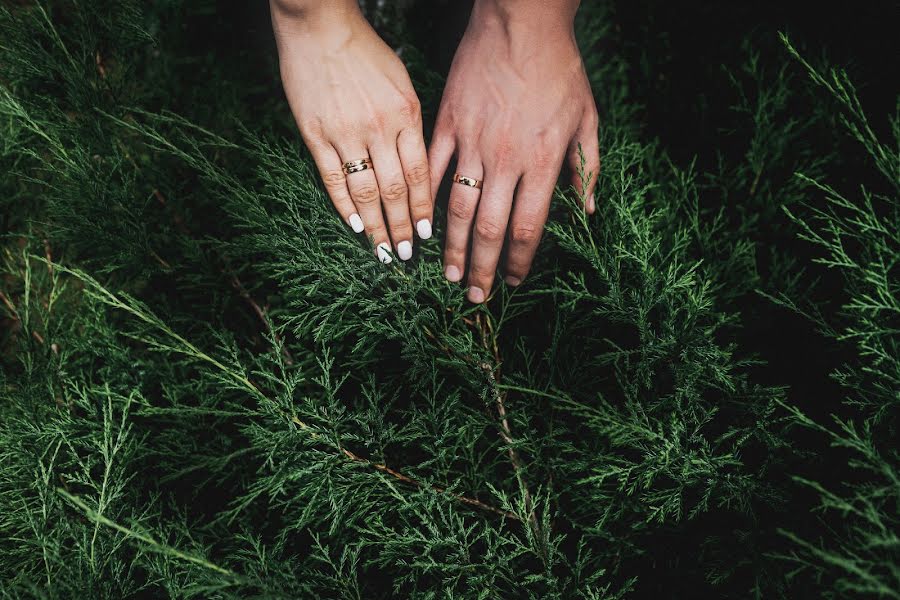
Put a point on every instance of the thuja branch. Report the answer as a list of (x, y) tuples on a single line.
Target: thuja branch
[(151, 543), (408, 480), (483, 324), (185, 347), (489, 340)]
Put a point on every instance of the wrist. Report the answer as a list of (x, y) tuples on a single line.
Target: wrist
[(318, 21), (526, 17)]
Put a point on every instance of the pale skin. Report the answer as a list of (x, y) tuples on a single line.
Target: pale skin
[(517, 107)]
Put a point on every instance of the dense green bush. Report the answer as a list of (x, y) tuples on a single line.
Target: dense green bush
[(211, 389)]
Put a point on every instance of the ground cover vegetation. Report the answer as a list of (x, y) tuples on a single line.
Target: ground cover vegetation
[(211, 389)]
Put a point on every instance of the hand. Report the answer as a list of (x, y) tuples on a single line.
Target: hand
[(516, 104), (352, 98)]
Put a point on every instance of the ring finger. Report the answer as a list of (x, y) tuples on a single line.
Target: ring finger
[(460, 213), (363, 188)]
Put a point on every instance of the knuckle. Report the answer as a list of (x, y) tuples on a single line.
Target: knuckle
[(377, 123), (527, 232), (310, 127), (518, 268), (378, 231), (400, 232), (394, 192), (366, 194), (343, 129), (504, 151), (420, 203), (461, 209), (543, 160), (333, 179), (418, 174), (410, 109), (481, 273), (489, 231)]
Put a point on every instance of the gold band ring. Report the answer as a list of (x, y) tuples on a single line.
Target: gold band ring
[(469, 181), (355, 166)]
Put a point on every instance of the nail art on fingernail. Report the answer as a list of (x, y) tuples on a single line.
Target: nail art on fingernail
[(404, 250), (424, 229), (356, 223), (384, 253)]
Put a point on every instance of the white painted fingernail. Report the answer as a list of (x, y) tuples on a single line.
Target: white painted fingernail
[(384, 253), (404, 250), (424, 229), (356, 223)]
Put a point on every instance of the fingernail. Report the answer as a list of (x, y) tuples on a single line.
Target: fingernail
[(404, 250), (513, 281), (591, 205), (384, 253), (452, 273), (424, 229), (476, 295), (356, 223)]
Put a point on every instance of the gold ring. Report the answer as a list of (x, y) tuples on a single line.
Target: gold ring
[(355, 166), (469, 181)]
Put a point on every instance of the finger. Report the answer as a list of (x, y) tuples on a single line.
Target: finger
[(440, 151), (586, 137), (363, 189), (526, 225), (413, 157), (394, 195), (460, 212), (329, 165), (489, 233)]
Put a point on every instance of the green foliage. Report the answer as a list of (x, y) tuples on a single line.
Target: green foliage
[(860, 238), (211, 389)]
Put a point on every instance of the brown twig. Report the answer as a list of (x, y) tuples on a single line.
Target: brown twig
[(101, 67), (260, 312), (9, 305), (489, 340), (410, 481), (485, 327), (49, 256)]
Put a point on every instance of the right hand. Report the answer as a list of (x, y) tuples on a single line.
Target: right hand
[(352, 98)]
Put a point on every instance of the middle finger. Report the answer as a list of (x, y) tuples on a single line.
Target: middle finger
[(394, 195), (490, 231)]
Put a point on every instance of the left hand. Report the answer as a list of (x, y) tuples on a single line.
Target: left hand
[(516, 105)]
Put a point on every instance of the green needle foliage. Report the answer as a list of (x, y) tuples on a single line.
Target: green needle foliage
[(211, 388)]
